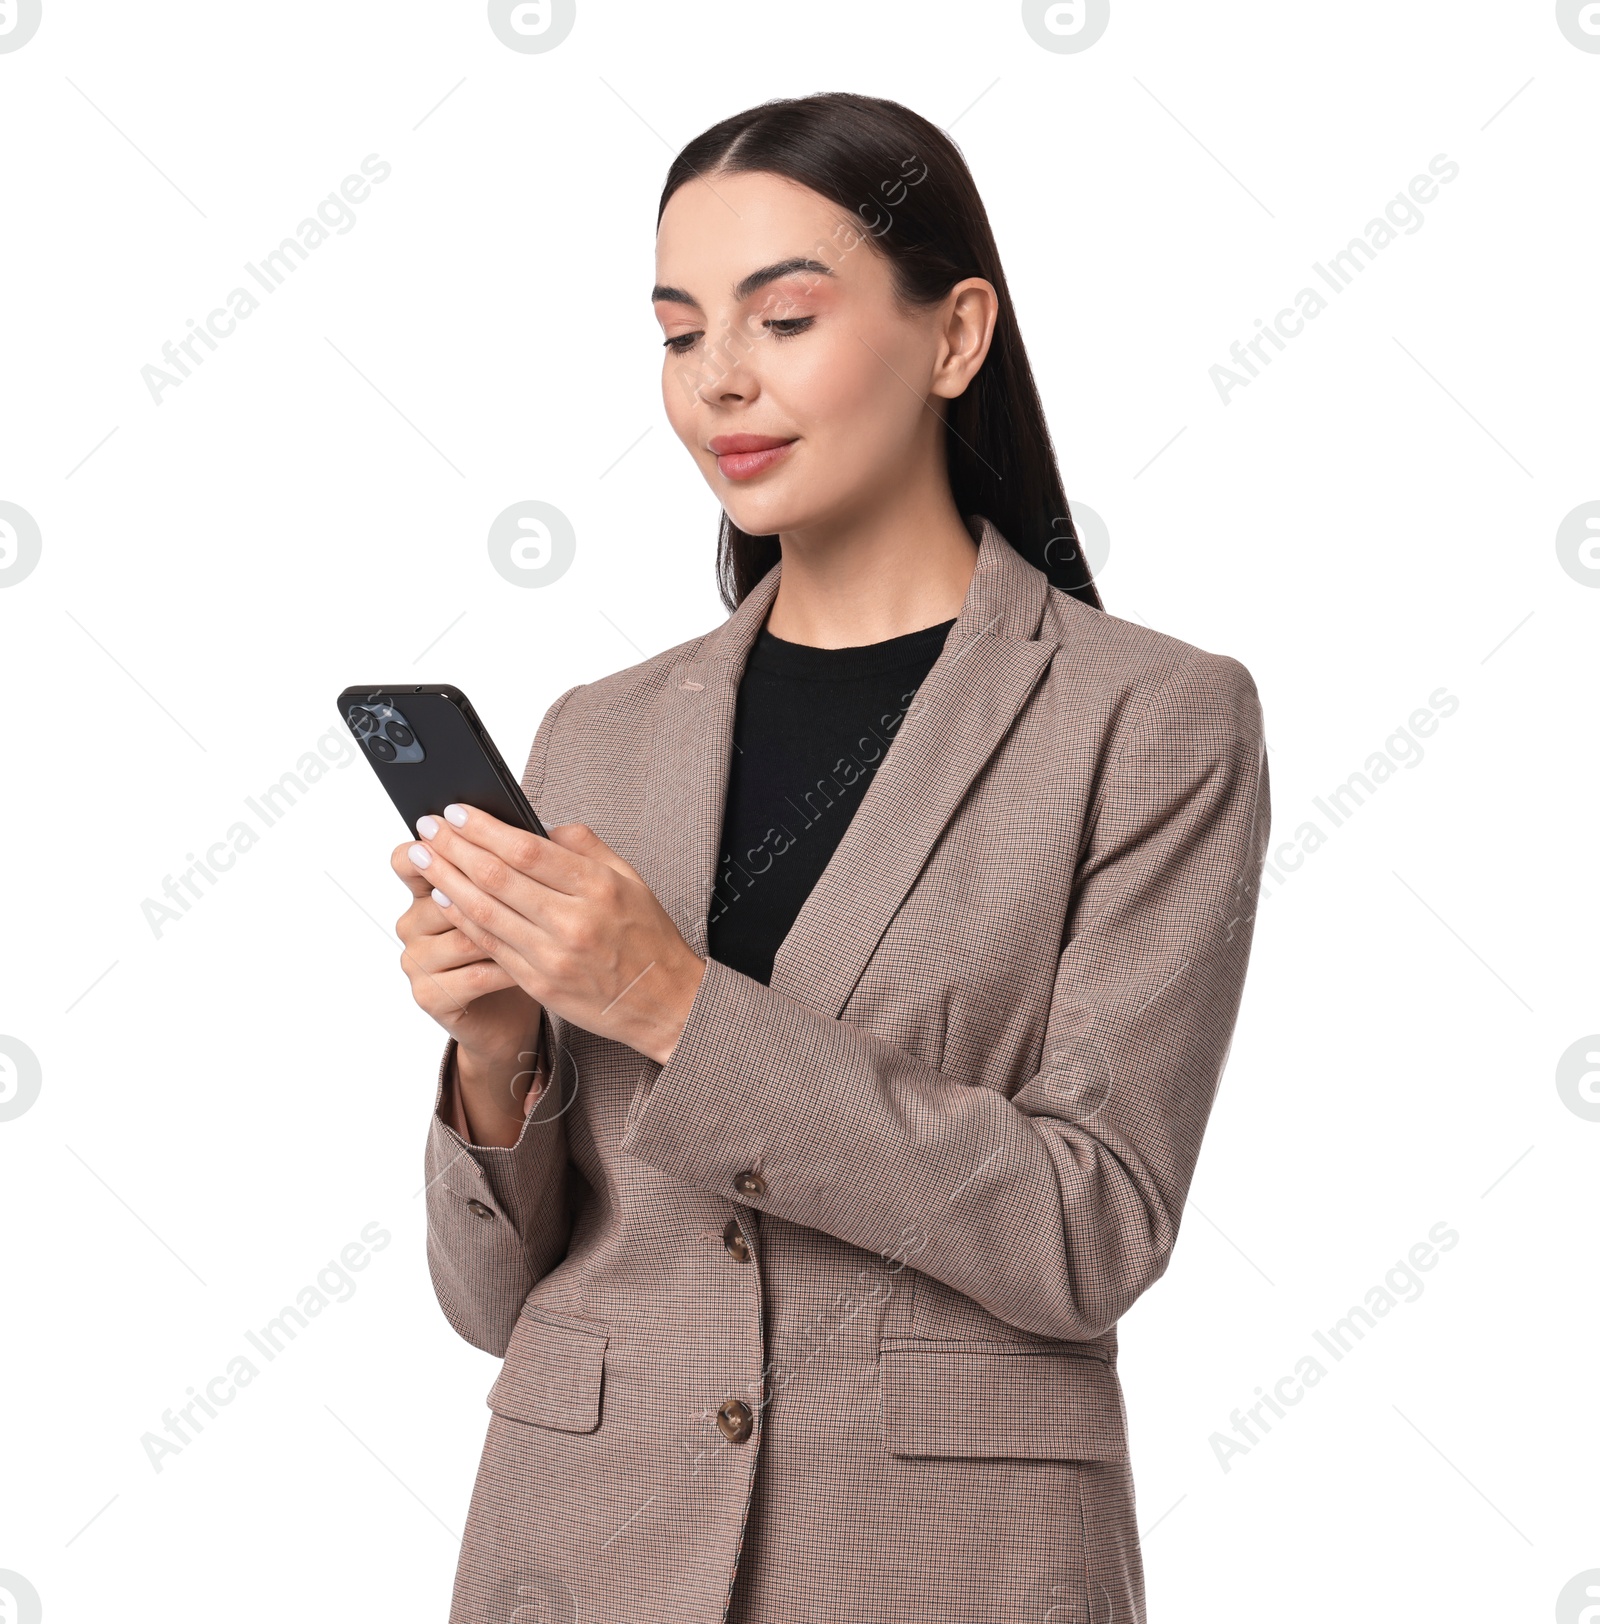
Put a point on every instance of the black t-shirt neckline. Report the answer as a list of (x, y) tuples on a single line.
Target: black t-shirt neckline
[(811, 729), (779, 657)]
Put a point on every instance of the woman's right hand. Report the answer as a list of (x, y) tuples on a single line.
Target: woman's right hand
[(494, 1022)]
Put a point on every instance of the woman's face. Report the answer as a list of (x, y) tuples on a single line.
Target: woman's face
[(802, 391)]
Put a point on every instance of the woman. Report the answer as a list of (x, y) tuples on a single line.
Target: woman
[(824, 1089)]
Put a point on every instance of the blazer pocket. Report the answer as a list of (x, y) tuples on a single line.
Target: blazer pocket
[(1041, 1405), (553, 1372)]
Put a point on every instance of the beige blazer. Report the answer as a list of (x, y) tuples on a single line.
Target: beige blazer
[(818, 1321)]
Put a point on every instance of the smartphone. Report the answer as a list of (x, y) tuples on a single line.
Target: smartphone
[(429, 749)]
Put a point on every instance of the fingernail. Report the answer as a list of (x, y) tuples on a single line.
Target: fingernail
[(456, 814), (440, 897), (427, 827), (420, 855)]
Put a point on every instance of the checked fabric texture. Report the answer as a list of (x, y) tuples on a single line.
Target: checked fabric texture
[(818, 1321)]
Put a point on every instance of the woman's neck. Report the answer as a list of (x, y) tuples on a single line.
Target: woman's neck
[(868, 580)]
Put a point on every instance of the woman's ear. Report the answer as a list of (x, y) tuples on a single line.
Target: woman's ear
[(966, 330)]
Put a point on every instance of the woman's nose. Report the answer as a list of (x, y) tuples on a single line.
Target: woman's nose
[(727, 369)]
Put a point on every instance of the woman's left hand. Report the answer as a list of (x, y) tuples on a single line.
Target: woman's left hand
[(569, 921)]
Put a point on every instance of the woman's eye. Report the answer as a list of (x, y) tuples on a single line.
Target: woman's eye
[(777, 327)]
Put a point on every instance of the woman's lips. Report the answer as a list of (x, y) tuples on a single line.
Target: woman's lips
[(743, 456)]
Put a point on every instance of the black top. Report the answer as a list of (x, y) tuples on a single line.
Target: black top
[(811, 728)]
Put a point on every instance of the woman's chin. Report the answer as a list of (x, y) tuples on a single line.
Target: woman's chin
[(764, 518)]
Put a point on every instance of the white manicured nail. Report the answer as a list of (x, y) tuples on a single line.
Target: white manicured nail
[(427, 827), (456, 814), (440, 897), (420, 855)]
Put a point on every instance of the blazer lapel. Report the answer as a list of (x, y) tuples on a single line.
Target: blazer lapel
[(686, 776), (990, 664)]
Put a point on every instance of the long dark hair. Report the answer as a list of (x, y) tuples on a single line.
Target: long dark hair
[(910, 188)]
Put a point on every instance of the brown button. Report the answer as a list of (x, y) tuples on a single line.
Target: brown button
[(735, 1420), (733, 1238), (750, 1183), (481, 1210)]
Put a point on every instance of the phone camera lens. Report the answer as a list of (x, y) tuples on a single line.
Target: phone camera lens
[(360, 721), (381, 748), (399, 734)]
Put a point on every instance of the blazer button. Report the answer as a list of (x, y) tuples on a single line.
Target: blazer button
[(735, 1420), (750, 1183), (481, 1210), (733, 1238)]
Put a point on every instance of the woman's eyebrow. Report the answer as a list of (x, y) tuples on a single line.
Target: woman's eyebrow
[(742, 290)]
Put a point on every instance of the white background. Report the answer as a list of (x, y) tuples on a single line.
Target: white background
[(225, 1106)]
